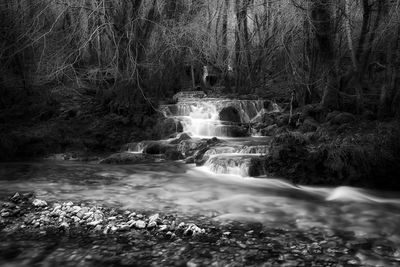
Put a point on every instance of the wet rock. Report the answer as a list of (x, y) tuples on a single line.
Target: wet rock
[(94, 223), (97, 228), (16, 197), (226, 234), (229, 114), (163, 228), (180, 137), (64, 225), (193, 230), (139, 224), (170, 235), (106, 229), (157, 147), (127, 158), (75, 210), (154, 218), (190, 147), (5, 214), (151, 225), (124, 227), (39, 203), (173, 154)]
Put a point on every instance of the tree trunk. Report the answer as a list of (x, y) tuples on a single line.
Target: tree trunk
[(322, 20)]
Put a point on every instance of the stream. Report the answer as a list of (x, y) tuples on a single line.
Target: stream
[(220, 193)]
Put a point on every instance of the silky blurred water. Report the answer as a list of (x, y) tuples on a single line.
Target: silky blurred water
[(173, 187)]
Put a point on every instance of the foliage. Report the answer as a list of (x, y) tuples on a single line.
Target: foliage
[(149, 44), (364, 158)]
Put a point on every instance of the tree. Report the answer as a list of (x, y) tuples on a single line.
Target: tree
[(322, 21)]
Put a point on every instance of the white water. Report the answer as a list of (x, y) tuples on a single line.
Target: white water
[(200, 117), (176, 187)]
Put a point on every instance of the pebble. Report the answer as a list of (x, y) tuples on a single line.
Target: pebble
[(191, 264), (95, 223), (64, 225), (39, 203), (68, 204), (151, 225), (154, 218), (313, 250), (163, 228), (193, 230), (124, 227), (16, 197), (106, 229), (226, 234), (181, 225), (140, 224), (5, 214), (170, 234)]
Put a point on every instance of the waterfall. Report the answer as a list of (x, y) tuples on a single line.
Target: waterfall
[(200, 117)]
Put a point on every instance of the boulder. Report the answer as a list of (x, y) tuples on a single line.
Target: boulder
[(157, 147), (230, 114), (188, 147), (180, 137), (173, 154)]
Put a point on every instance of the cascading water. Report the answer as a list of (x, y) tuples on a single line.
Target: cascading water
[(201, 117)]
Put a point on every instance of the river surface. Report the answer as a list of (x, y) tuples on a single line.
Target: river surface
[(173, 187)]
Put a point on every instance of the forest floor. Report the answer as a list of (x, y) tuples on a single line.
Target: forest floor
[(37, 233)]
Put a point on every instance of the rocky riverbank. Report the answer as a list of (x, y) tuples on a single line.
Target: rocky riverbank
[(36, 232)]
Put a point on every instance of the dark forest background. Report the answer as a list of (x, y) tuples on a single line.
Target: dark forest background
[(91, 72)]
